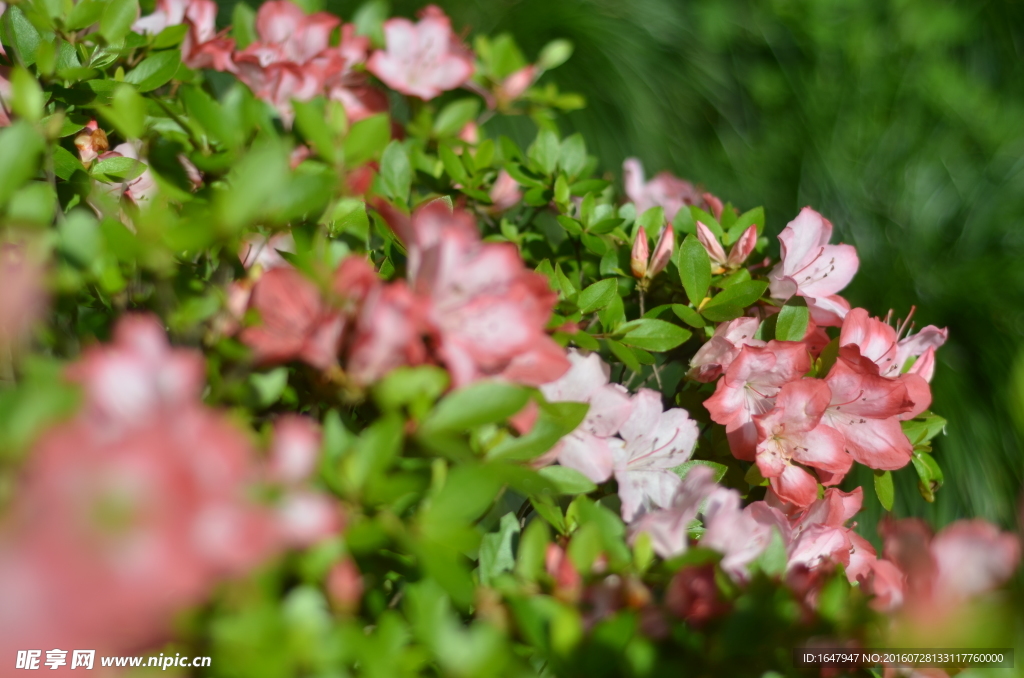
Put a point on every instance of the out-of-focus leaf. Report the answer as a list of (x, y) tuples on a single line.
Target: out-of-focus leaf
[(455, 115), (497, 551), (483, 402), (20, 148), (117, 19), (155, 70)]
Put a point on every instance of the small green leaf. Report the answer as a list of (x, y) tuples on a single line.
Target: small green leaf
[(27, 97), (20, 148), (688, 315), (567, 480), (366, 139), (118, 169), (654, 335), (483, 402), (171, 36), (453, 164), (496, 550), (269, 386), (598, 295), (740, 294), (721, 312), (454, 116), (117, 19), (745, 221), (884, 489), (719, 469), (694, 269), (624, 354), (573, 156), (20, 34), (395, 171), (792, 321), (554, 54), (84, 14), (155, 70), (544, 151), (243, 25)]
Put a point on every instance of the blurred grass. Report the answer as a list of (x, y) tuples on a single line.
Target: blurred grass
[(902, 121)]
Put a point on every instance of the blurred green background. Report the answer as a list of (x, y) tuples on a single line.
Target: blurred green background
[(902, 121)]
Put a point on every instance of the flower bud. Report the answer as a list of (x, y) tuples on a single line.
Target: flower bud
[(641, 251), (711, 244), (662, 251), (345, 586), (743, 247), (91, 143)]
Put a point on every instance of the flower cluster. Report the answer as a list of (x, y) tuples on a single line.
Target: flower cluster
[(468, 305), (787, 422)]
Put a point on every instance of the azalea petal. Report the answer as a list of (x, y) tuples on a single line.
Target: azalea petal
[(875, 339), (796, 486), (973, 557), (588, 454), (710, 243), (877, 443)]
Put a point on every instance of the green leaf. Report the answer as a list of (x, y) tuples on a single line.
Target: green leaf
[(155, 70), (533, 545), (573, 156), (20, 34), (496, 550), (554, 54), (688, 315), (544, 151), (654, 335), (773, 560), (745, 221), (127, 112), (118, 169), (694, 269), (719, 469), (396, 172), (311, 120), (930, 473), (269, 386), (624, 354), (27, 96), (118, 17), (827, 358), (722, 312), (568, 480), (20, 148), (65, 163), (547, 509), (452, 164), (367, 138), (243, 25), (407, 385), (84, 14), (571, 226), (554, 421), (484, 402), (923, 427), (741, 294), (172, 36), (597, 296), (884, 489), (454, 116), (652, 220), (792, 321)]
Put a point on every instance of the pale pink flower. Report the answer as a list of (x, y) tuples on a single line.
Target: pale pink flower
[(668, 528), (421, 59), (345, 585), (505, 192), (664, 190), (388, 334), (749, 387), (202, 47), (715, 356), (515, 85), (813, 269), (653, 442), (138, 375), (294, 450), (5, 93), (741, 535), (587, 448)]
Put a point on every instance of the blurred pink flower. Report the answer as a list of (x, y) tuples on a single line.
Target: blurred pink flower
[(668, 528), (421, 59), (664, 190), (117, 527), (202, 47), (388, 334), (138, 375), (294, 449), (295, 321), (813, 269), (5, 93), (486, 311), (505, 192)]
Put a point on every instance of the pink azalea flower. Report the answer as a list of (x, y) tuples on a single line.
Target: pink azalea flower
[(128, 512), (421, 59), (740, 534), (820, 536), (664, 190), (653, 442), (643, 269), (945, 571), (139, 375), (749, 387), (388, 334), (202, 46), (515, 85), (291, 34), (345, 586), (813, 269), (669, 527), (505, 192), (865, 409), (295, 448), (487, 311), (295, 322), (715, 356), (587, 449), (792, 432), (741, 249)]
